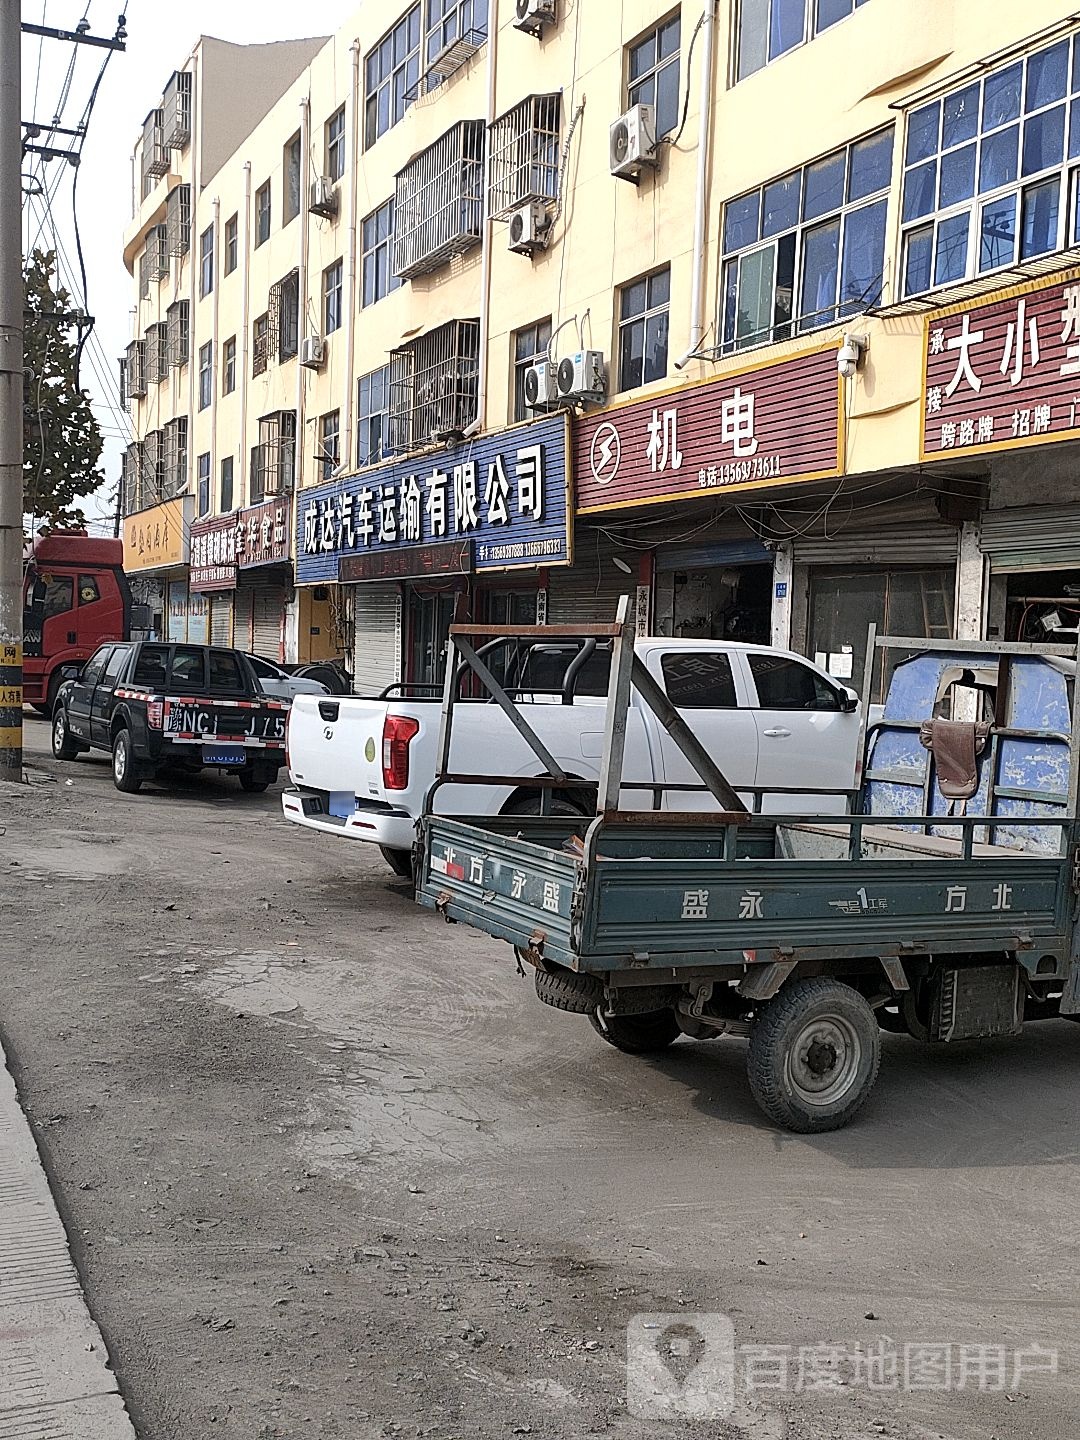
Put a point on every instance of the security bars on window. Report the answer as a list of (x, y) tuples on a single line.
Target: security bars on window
[(524, 155), (177, 110), (178, 220), (157, 247), (155, 155), (136, 369), (156, 352), (438, 201), (177, 320), (433, 385)]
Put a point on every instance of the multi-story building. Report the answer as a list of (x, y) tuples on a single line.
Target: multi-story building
[(762, 310)]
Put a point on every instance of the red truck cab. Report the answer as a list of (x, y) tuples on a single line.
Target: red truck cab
[(75, 597)]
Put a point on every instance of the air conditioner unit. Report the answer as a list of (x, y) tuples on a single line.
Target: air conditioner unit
[(533, 16), (324, 200), (542, 385), (581, 376), (632, 142), (312, 352), (529, 228)]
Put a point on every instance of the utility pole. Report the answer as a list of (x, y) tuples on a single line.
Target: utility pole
[(11, 392)]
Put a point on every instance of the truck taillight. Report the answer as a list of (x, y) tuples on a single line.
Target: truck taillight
[(153, 714), (398, 731)]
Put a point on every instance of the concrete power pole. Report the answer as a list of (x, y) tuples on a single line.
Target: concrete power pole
[(11, 392)]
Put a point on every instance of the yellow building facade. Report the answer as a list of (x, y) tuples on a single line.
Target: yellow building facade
[(779, 293)]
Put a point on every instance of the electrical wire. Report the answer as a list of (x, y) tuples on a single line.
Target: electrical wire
[(673, 141)]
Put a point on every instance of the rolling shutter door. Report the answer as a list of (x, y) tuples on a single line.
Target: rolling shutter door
[(242, 619), (591, 588), (1045, 537), (267, 611), (221, 619), (377, 653), (913, 542)]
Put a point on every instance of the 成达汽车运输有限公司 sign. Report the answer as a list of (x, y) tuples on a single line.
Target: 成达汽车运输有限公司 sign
[(506, 492)]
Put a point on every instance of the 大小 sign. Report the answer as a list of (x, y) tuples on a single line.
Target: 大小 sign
[(506, 493), (157, 538), (772, 425), (1003, 372)]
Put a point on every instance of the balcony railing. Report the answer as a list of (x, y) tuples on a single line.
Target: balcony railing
[(433, 385), (438, 201)]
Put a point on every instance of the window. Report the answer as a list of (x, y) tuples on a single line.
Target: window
[(157, 353), (188, 667), (59, 595), (643, 330), (260, 343), (203, 464), (530, 346), (263, 669), (231, 233), (391, 81), (206, 374), (206, 262), (178, 220), (290, 180), (785, 684), (273, 459), (150, 666), (115, 665), (262, 214), (809, 248), (284, 316), (228, 366), (455, 20), (439, 201), (331, 289), (433, 385), (330, 443), (88, 590), (176, 456), (225, 672), (525, 151), (94, 668), (652, 73), (768, 29), (990, 171), (225, 493), (335, 144), (372, 416), (696, 681), (377, 236), (178, 325)]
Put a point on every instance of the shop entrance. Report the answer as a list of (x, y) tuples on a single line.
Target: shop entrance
[(1043, 605), (428, 618), (713, 596)]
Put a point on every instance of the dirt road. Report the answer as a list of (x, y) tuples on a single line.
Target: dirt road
[(331, 1170)]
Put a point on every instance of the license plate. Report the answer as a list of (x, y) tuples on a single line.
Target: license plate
[(224, 755)]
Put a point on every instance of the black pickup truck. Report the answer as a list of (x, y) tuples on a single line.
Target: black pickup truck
[(160, 707)]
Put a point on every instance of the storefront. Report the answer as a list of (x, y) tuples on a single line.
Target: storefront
[(156, 552), (240, 586), (1002, 391), (672, 486), (485, 525)]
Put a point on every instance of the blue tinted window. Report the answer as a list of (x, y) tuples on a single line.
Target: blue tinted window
[(1047, 76), (920, 185), (924, 128), (917, 260), (820, 264), (1038, 230), (957, 177), (861, 277), (1044, 140), (1001, 96), (960, 120), (780, 205), (871, 166), (951, 260), (997, 233), (998, 166), (824, 189), (741, 219)]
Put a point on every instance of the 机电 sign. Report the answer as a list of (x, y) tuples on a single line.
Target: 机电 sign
[(1003, 372), (771, 425), (504, 493)]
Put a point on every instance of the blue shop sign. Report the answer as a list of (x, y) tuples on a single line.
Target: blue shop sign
[(508, 493)]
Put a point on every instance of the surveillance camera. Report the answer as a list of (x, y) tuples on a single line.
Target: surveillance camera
[(850, 354)]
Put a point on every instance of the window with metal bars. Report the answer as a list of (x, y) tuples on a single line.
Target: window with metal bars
[(136, 369), (131, 479), (438, 201), (178, 323), (176, 456), (155, 467), (156, 351), (523, 146), (155, 155), (177, 110), (330, 443), (178, 220), (433, 385), (260, 344), (144, 274), (125, 394), (283, 317), (157, 247), (273, 459), (454, 31)]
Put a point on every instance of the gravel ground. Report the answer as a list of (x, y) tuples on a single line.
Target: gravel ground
[(329, 1169)]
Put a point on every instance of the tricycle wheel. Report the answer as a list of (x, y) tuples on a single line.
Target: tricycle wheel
[(567, 990), (814, 1055), (637, 1034)]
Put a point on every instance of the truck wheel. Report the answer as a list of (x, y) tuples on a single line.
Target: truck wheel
[(637, 1034), (559, 806), (254, 782), (567, 990), (400, 861), (814, 1055), (63, 746), (125, 776)]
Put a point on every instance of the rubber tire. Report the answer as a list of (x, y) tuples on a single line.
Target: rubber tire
[(774, 1033), (569, 991), (252, 784), (130, 781), (559, 806), (68, 748), (400, 861), (646, 1034)]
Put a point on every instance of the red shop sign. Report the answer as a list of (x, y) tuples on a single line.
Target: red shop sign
[(1004, 372), (212, 554), (758, 427)]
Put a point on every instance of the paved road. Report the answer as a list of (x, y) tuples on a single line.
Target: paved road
[(333, 1171)]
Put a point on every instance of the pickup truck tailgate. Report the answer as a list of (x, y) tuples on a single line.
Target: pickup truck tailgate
[(336, 746)]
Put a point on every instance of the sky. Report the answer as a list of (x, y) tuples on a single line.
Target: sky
[(159, 39)]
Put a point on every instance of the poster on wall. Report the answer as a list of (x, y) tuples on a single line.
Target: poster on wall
[(176, 620)]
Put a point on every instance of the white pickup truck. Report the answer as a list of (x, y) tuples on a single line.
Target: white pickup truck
[(361, 768)]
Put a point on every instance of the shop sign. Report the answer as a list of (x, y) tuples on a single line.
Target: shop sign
[(506, 493), (156, 539), (768, 425), (407, 562), (265, 534), (213, 553), (1004, 372)]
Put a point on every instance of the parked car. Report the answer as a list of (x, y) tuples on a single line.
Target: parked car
[(275, 681), (159, 707), (361, 768)]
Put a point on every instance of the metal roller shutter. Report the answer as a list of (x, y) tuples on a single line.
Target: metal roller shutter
[(1045, 537), (267, 616), (591, 587), (221, 619), (913, 542), (377, 653), (242, 619)]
